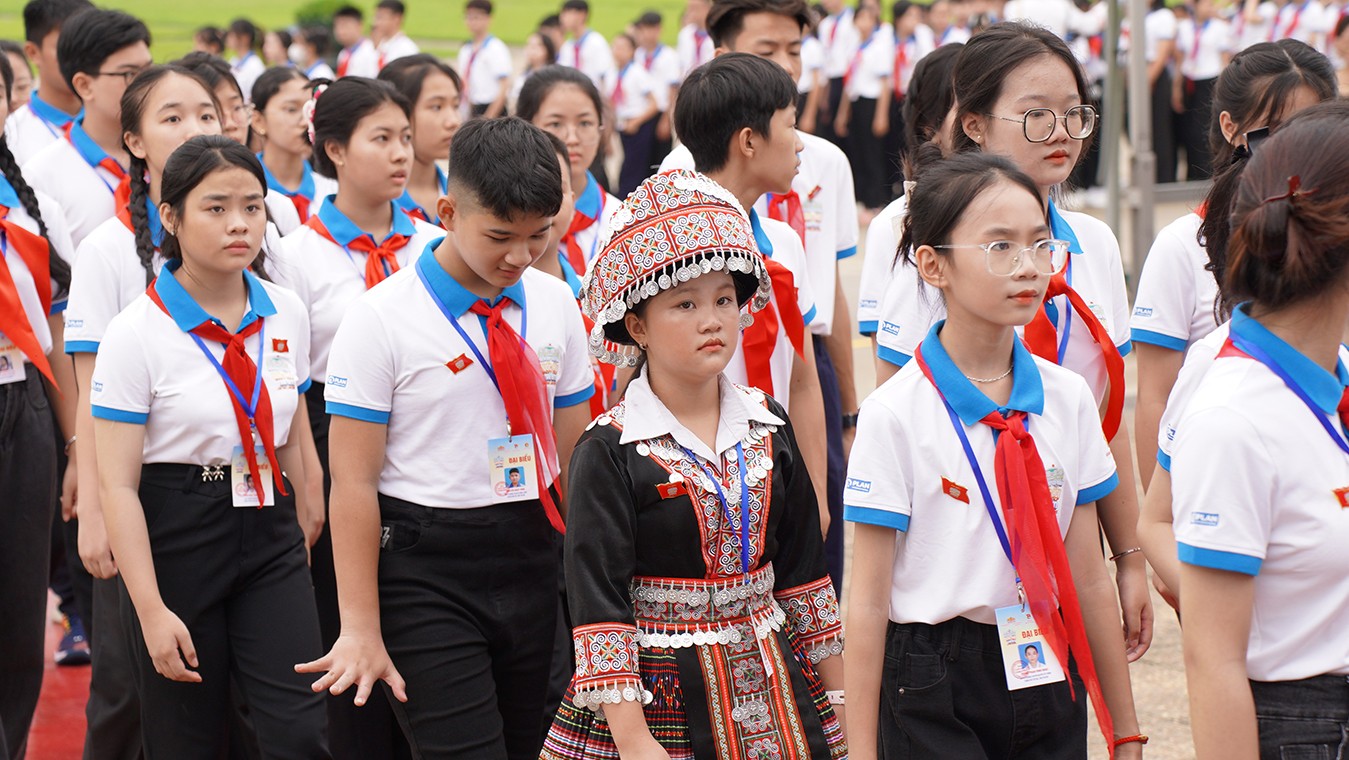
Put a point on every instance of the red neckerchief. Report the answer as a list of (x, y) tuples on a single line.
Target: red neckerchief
[(381, 260), (36, 255)]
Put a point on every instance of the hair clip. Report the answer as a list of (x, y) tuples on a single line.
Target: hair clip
[(1294, 191), (307, 111), (909, 187), (1241, 153)]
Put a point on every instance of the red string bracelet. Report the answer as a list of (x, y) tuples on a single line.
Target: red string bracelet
[(1140, 738)]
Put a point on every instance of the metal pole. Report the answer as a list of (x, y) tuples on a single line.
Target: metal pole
[(1141, 200), (1113, 132)]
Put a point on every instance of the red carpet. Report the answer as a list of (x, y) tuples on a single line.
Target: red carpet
[(58, 727)]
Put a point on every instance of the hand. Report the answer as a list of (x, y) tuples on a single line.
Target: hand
[(807, 122), (360, 660), (1130, 751), (648, 749), (95, 552), (1177, 100), (165, 638), (1136, 605), (663, 127), (1171, 599), (313, 521), (880, 126), (70, 489), (841, 126), (631, 127), (824, 519)]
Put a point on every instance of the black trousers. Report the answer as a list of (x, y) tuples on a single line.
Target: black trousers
[(468, 608), (833, 433), (369, 732), (113, 712), (478, 109), (636, 157), (824, 125), (896, 144), (1194, 124), (943, 694), (238, 580), (866, 153), (1303, 719), (28, 480), (1164, 129)]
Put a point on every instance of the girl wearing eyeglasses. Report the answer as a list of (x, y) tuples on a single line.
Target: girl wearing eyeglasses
[(1022, 95), (973, 486)]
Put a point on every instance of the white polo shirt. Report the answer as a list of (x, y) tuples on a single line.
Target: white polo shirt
[(314, 187), (107, 276), (1202, 47), (599, 205), (695, 48), (1301, 21), (879, 264), (246, 71), (778, 241), (59, 244), (68, 171), (914, 48), (1176, 294), (812, 63), (320, 70), (359, 60), (1198, 359), (869, 70), (630, 101), (1158, 26), (328, 277), (839, 35), (1256, 486), (397, 46), (151, 372), (949, 562), (33, 127), (1094, 270), (590, 54), (662, 65), (1249, 33), (389, 366), (824, 184), (483, 66)]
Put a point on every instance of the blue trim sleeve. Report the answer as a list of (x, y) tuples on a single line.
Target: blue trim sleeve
[(1164, 460), (119, 415), (82, 347), (57, 307), (1096, 492), (897, 358), (572, 399), (1157, 339), (868, 327), (358, 413), (1125, 348), (809, 317), (306, 385), (881, 517), (1218, 560), (847, 253)]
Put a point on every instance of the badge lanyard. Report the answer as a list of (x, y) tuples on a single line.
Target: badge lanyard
[(1256, 353), (725, 506), (250, 409), (360, 273), (1066, 313)]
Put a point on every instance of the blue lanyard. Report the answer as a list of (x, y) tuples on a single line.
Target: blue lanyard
[(1256, 353), (454, 322), (250, 409), (725, 506), (1066, 313)]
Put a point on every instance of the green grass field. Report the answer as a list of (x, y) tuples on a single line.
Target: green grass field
[(436, 24)]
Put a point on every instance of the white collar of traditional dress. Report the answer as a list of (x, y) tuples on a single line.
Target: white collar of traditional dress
[(646, 417)]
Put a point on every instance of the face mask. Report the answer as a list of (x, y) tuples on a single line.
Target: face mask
[(296, 53)]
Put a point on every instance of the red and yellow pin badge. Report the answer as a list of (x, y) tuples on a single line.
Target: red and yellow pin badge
[(280, 346), (955, 490), (459, 363)]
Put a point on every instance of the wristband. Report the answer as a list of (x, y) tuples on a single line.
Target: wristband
[(70, 443), (1140, 738), (850, 421), (834, 697), (1126, 553)]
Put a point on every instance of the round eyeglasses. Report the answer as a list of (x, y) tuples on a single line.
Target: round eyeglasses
[(1038, 123), (1004, 257)]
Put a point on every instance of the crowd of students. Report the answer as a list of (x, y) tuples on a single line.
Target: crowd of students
[(374, 426)]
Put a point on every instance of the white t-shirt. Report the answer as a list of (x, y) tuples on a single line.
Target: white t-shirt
[(591, 55), (911, 307), (879, 264), (1302, 21), (812, 63), (1058, 16), (397, 46), (824, 185), (1202, 47), (949, 562), (662, 65), (913, 49), (1198, 360), (840, 38), (59, 244), (591, 201), (1158, 26), (359, 60), (68, 171), (483, 66), (1249, 33), (1174, 304), (630, 102), (246, 71), (151, 372), (389, 366), (695, 48), (869, 71), (33, 127), (320, 70), (1258, 488), (328, 278)]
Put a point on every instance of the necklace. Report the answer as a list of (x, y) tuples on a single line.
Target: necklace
[(990, 379)]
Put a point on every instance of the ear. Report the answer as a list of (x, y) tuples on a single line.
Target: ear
[(973, 125), (720, 50), (1229, 129), (931, 266), (31, 50), (337, 152), (83, 85), (742, 143), (170, 218), (134, 143), (636, 327), (447, 208), (258, 121)]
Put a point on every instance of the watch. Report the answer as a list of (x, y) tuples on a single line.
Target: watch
[(850, 421)]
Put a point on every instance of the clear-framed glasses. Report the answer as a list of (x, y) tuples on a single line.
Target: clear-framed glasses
[(126, 75), (1004, 257), (1038, 123)]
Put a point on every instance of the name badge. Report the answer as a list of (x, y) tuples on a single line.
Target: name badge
[(245, 492), (1026, 657), (281, 368), (510, 462), (11, 362)]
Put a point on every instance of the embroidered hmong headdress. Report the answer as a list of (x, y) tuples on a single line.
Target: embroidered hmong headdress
[(674, 227)]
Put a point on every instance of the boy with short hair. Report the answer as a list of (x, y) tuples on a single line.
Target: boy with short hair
[(484, 63), (585, 48), (100, 53), (358, 56), (241, 39), (53, 105), (821, 208), (694, 43), (387, 30), (736, 115), (447, 576)]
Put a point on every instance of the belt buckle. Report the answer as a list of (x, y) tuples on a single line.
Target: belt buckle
[(212, 473)]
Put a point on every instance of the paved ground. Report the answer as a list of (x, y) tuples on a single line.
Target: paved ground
[(1159, 678)]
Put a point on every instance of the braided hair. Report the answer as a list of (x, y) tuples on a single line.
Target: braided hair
[(133, 106), (9, 167)]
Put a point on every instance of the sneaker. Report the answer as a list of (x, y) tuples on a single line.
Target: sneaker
[(74, 647)]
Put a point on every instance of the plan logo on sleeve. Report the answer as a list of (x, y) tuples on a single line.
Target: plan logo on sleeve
[(858, 485), (1205, 519)]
